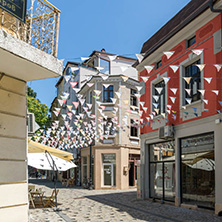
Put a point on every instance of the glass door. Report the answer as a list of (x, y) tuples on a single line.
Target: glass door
[(108, 174)]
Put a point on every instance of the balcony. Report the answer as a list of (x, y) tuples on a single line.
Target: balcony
[(41, 29)]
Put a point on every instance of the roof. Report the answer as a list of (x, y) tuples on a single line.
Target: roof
[(70, 63), (186, 15)]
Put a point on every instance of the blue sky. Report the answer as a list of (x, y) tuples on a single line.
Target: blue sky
[(119, 26)]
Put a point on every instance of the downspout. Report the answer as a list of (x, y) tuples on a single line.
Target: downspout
[(216, 11)]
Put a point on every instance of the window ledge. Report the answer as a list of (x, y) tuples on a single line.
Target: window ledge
[(192, 104), (134, 138), (107, 104), (110, 136)]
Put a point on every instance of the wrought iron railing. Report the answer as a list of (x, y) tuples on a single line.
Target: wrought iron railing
[(41, 29)]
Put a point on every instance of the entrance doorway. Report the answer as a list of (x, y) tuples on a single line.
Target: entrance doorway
[(108, 174), (131, 174)]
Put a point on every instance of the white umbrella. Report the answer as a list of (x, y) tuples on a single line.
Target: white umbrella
[(43, 161), (204, 164)]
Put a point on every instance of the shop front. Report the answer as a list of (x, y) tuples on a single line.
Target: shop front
[(198, 170)]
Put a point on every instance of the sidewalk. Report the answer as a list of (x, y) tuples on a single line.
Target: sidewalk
[(80, 205)]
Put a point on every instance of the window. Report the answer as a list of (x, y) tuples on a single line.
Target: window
[(195, 82), (191, 41), (90, 97), (158, 64), (133, 129), (159, 97), (84, 166), (107, 94), (108, 127), (133, 99), (106, 65)]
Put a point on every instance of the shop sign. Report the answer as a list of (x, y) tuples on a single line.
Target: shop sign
[(16, 8), (109, 158)]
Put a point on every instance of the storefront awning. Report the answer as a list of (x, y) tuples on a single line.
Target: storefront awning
[(34, 147)]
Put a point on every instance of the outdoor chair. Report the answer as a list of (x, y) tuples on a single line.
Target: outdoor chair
[(31, 200), (50, 201), (31, 187)]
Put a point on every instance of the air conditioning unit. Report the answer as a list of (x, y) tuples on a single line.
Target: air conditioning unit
[(31, 123), (166, 132)]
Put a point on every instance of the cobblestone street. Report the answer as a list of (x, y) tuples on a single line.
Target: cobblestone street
[(82, 205)]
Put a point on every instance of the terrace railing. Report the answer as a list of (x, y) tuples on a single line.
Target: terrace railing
[(41, 29)]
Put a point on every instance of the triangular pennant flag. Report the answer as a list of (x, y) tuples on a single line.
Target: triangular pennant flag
[(188, 100), (73, 69), (113, 57), (69, 107), (76, 90), (84, 58), (208, 79), (89, 105), (188, 91), (125, 78), (149, 68), (205, 101), (67, 78), (76, 104), (90, 84), (156, 105), (145, 78), (174, 68), (218, 67), (157, 111), (106, 85), (139, 57), (168, 54), (113, 100), (174, 90), (159, 89), (166, 79), (73, 84), (169, 107), (99, 68), (194, 109), (118, 94), (104, 77), (220, 102), (97, 92), (60, 102), (156, 98), (187, 79), (142, 103), (64, 116), (56, 113), (139, 88), (173, 99), (200, 66), (197, 51), (215, 91), (70, 115), (202, 91)]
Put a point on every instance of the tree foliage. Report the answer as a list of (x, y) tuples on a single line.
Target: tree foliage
[(40, 110)]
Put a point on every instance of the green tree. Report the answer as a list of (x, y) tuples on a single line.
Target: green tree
[(40, 110)]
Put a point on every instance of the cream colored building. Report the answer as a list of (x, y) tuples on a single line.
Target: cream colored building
[(114, 157), (19, 62)]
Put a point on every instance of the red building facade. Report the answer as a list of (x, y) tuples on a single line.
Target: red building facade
[(182, 103)]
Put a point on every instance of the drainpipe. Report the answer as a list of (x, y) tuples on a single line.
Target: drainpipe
[(217, 11)]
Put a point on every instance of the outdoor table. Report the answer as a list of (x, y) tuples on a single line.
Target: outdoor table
[(39, 195)]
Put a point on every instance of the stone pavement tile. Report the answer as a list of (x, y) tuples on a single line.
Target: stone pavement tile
[(82, 205)]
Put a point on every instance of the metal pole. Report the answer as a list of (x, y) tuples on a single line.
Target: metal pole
[(90, 167)]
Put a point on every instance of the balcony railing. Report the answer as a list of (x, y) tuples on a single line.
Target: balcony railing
[(41, 29)]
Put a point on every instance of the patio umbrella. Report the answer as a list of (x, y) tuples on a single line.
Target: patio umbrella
[(204, 164), (42, 161)]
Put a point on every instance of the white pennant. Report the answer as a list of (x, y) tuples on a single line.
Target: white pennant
[(168, 54), (156, 105), (149, 68), (174, 68), (166, 79), (174, 90), (113, 100), (205, 101), (197, 51), (202, 91), (159, 89), (84, 58), (145, 78), (124, 68), (218, 67), (106, 85), (73, 69), (215, 91), (111, 58), (188, 91), (156, 98), (118, 94), (188, 100), (173, 99), (208, 79), (139, 57), (139, 88), (200, 66)]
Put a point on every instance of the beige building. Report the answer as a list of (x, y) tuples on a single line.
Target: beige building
[(19, 62), (117, 147)]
